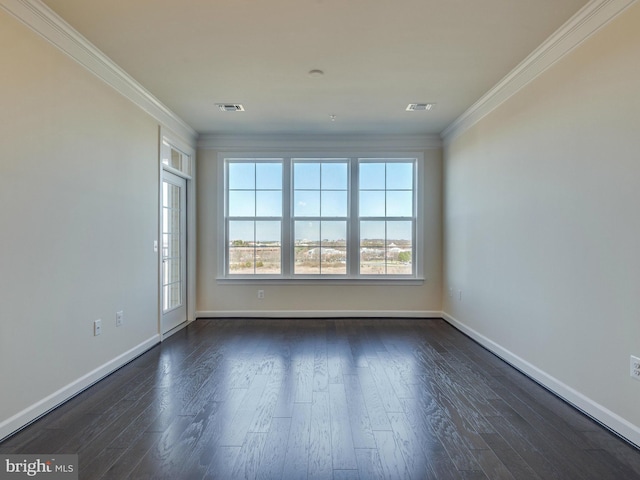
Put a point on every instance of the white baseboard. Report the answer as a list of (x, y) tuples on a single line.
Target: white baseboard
[(593, 409), (31, 413), (176, 329), (318, 314)]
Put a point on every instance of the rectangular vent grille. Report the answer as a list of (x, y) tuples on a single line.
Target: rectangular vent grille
[(230, 107), (419, 107)]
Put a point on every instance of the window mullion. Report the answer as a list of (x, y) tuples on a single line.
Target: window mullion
[(353, 222), (287, 221)]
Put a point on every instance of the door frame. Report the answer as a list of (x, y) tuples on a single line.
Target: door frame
[(167, 137), (175, 315)]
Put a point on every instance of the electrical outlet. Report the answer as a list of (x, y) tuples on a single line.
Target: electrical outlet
[(451, 293), (634, 370), (260, 294), (97, 327), (119, 318)]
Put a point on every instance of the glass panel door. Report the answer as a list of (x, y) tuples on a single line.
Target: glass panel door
[(174, 310)]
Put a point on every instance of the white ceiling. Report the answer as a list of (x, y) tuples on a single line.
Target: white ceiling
[(377, 55)]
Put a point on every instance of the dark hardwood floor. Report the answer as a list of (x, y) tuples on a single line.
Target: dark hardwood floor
[(322, 399)]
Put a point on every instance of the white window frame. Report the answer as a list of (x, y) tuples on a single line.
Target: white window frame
[(287, 276)]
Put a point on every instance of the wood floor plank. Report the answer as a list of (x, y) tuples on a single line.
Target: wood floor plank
[(296, 462), (477, 387), (320, 466), (625, 454), (211, 389), (165, 455), (401, 357), (396, 380), (303, 367), (94, 467), (550, 414), (96, 400), (605, 466), (158, 406), (243, 362), (249, 458), (453, 436), (474, 380), (263, 413), (272, 461), (369, 464), (491, 465), (370, 331), (90, 449), (198, 461), (271, 360), (243, 418), (431, 447), (222, 462), (417, 463), (190, 438), (342, 451), (373, 401), (346, 475), (361, 431), (126, 463), (44, 440), (320, 363), (347, 362), (453, 403), (391, 459), (357, 351), (522, 437), (509, 457), (334, 365), (287, 392), (579, 460)]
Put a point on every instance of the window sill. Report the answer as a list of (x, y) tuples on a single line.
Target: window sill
[(320, 281)]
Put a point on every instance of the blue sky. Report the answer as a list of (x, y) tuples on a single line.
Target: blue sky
[(320, 190)]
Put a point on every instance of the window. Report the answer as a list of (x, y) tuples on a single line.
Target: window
[(386, 219), (320, 215), (323, 218), (254, 217), (174, 159)]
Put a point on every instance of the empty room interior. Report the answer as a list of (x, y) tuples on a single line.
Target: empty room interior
[(321, 238)]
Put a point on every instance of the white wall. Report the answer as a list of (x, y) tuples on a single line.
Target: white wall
[(542, 230), (216, 299), (79, 197)]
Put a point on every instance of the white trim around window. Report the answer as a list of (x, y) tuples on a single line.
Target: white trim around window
[(292, 218)]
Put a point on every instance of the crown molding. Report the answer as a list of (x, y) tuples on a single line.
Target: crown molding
[(575, 31), (318, 143), (46, 23)]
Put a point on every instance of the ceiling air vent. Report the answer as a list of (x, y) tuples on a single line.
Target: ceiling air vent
[(230, 107), (418, 107)]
